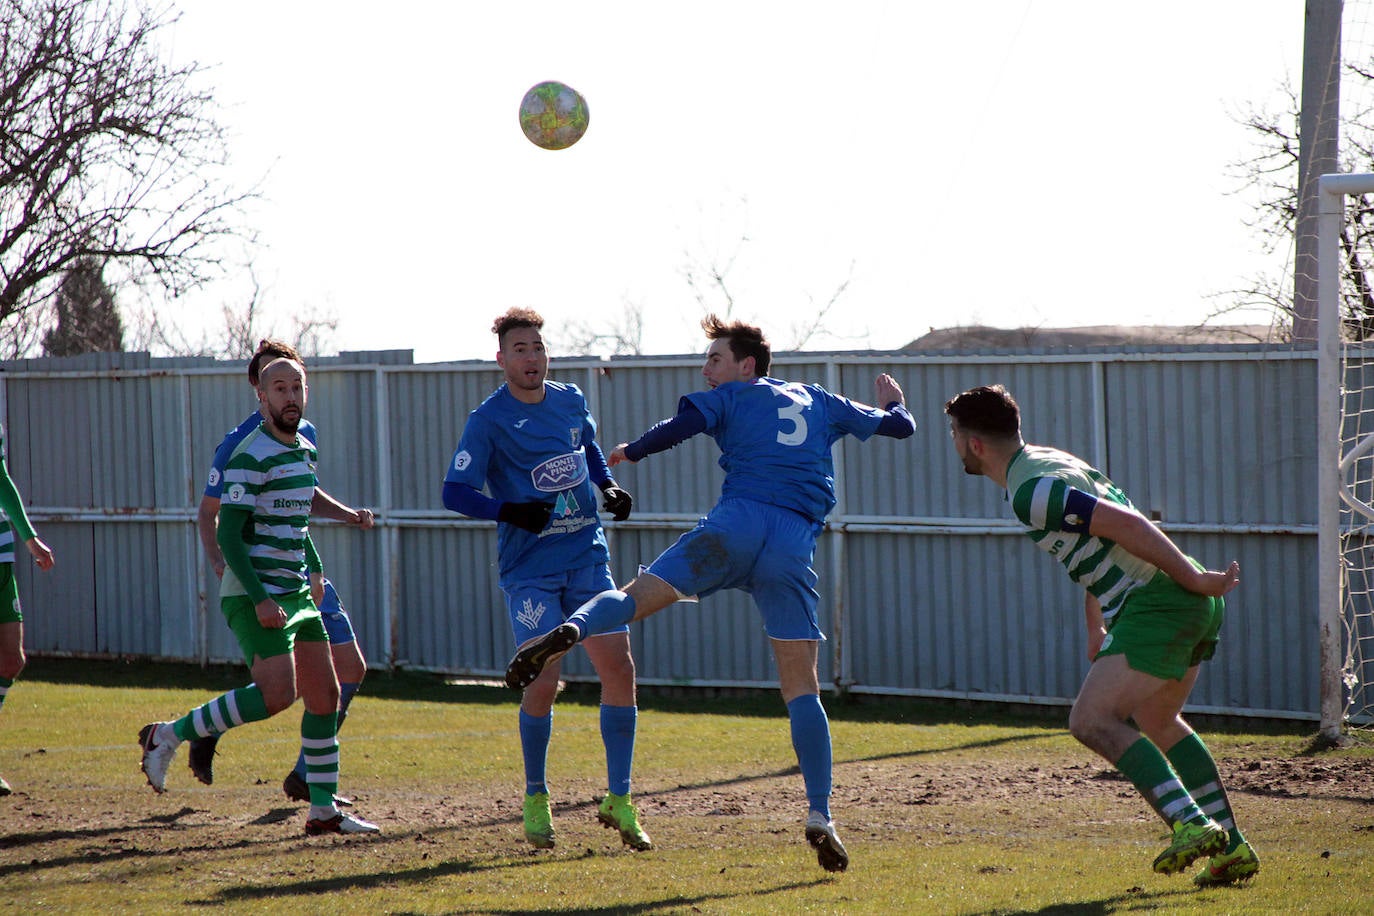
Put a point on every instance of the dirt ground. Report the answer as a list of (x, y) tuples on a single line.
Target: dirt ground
[(48, 823)]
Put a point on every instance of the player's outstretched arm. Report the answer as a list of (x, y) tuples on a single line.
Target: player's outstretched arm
[(326, 506), (1139, 535)]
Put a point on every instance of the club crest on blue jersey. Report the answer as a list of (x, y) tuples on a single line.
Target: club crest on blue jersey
[(575, 437), (559, 473)]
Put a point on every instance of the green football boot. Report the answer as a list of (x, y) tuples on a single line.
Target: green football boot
[(538, 821), (1191, 841), (1239, 864), (619, 812)]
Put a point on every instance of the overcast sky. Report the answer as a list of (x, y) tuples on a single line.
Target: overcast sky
[(1006, 162)]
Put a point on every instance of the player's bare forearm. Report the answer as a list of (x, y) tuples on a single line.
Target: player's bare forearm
[(207, 524), (326, 506), (1136, 533), (1097, 630)]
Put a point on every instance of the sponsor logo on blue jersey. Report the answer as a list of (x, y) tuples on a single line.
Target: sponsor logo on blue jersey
[(560, 473)]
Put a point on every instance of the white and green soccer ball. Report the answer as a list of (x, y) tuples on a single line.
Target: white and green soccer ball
[(553, 115)]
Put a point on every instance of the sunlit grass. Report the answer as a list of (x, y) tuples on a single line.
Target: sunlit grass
[(945, 809)]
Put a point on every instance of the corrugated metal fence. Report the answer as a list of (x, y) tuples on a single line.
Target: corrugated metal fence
[(928, 588)]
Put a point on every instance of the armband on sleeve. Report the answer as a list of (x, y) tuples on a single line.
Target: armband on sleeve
[(1078, 511)]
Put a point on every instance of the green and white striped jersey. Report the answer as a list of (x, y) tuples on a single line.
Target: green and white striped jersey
[(276, 481), (1038, 483), (12, 515)]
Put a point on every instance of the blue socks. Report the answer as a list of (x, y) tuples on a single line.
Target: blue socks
[(811, 741), (618, 734), (606, 611), (534, 744)]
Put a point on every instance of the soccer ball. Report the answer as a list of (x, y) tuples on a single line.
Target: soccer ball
[(553, 116)]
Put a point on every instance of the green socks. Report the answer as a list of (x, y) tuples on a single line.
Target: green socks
[(1152, 776)]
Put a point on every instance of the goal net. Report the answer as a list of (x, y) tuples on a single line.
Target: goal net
[(1345, 435)]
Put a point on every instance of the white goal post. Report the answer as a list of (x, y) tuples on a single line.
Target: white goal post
[(1345, 443)]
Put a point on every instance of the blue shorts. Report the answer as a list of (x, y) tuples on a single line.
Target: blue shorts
[(538, 605), (764, 550), (336, 622)]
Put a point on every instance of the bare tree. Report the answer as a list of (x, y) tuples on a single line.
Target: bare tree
[(87, 317), (1273, 173), (623, 336), (106, 152), (708, 280), (243, 326)]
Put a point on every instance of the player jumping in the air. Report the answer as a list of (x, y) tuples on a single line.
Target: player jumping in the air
[(775, 439)]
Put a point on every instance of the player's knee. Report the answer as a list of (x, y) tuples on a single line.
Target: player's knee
[(12, 662), (277, 696), (618, 669), (1082, 725), (351, 669)]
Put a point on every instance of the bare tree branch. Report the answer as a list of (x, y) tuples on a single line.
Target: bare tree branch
[(1273, 173), (106, 152)]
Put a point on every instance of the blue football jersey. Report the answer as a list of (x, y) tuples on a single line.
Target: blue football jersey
[(775, 438), (214, 484), (535, 453)]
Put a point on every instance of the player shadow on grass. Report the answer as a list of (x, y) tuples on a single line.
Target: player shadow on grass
[(419, 876), (86, 858), (1132, 899)]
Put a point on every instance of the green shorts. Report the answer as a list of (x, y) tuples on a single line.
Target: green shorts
[(9, 595), (303, 622), (1163, 629)]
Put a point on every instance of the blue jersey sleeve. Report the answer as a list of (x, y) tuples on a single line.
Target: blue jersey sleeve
[(898, 424), (666, 434), (848, 417), (469, 464), (464, 500)]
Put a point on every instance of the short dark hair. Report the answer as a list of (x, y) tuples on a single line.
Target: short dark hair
[(744, 339), (515, 318), (268, 350), (988, 410)]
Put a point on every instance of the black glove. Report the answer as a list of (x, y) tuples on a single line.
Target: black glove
[(618, 502), (530, 516)]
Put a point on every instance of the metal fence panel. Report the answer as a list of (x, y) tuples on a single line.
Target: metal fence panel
[(927, 586)]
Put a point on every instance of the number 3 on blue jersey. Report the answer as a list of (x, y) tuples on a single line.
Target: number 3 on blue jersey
[(792, 413)]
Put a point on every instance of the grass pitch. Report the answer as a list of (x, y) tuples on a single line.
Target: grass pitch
[(944, 809)]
